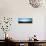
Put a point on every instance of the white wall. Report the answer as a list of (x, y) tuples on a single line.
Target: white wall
[(21, 8)]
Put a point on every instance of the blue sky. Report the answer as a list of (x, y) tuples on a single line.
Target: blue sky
[(24, 19)]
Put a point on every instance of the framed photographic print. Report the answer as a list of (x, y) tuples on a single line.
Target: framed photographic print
[(24, 20)]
